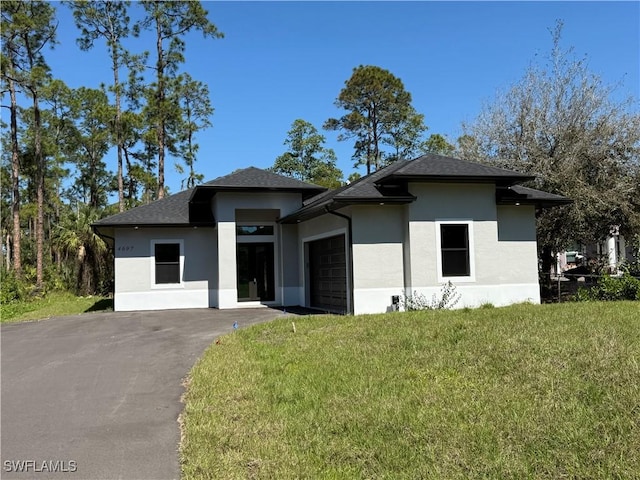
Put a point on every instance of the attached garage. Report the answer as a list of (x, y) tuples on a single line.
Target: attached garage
[(328, 274)]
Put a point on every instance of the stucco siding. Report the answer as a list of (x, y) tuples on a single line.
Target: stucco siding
[(231, 209), (452, 200), (486, 256), (290, 265), (464, 202), (517, 248), (225, 204), (378, 236), (393, 250), (227, 293), (503, 247), (322, 226), (134, 269)]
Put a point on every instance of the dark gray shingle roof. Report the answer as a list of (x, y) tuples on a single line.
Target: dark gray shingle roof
[(526, 195), (174, 210), (389, 184), (363, 190), (440, 167), (171, 210), (253, 177)]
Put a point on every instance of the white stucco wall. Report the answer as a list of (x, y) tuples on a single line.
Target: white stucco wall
[(209, 257), (503, 242), (290, 265), (394, 251), (378, 263), (395, 248), (230, 209), (134, 269)]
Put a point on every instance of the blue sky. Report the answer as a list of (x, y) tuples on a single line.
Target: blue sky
[(280, 61)]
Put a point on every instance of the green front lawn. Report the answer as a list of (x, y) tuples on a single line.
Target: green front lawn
[(550, 391), (52, 305)]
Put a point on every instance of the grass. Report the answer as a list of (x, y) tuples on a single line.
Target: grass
[(550, 391), (52, 305)]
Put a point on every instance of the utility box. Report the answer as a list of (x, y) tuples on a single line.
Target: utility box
[(395, 303)]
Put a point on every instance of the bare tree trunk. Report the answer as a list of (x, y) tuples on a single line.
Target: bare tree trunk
[(15, 181), (40, 174), (160, 128), (118, 125), (8, 254), (130, 185)]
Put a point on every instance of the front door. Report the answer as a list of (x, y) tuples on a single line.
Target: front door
[(255, 272)]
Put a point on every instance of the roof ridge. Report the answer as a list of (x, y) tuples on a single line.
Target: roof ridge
[(258, 177), (227, 175)]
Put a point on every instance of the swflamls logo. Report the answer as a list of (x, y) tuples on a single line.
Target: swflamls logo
[(25, 466)]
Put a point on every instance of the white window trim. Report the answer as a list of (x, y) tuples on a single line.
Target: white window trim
[(152, 257), (472, 262)]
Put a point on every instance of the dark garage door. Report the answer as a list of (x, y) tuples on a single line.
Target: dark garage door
[(328, 274)]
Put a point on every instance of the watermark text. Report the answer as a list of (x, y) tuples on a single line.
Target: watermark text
[(39, 466)]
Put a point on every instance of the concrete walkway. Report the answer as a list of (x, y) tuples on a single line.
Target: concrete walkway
[(97, 396)]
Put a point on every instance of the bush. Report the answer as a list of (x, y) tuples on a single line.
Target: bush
[(448, 299), (12, 289), (609, 288)]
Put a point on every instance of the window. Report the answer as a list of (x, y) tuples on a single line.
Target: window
[(254, 230), (455, 245), (167, 263)]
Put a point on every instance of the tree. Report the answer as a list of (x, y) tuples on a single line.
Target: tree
[(78, 243), (170, 20), (107, 20), (88, 142), (193, 100), (437, 143), (307, 159), (406, 130), (379, 112), (561, 124), (32, 24), (10, 67)]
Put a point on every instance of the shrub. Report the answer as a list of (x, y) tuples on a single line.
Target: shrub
[(12, 289), (609, 288), (448, 298)]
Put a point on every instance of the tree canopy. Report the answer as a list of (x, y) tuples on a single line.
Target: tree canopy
[(170, 20), (379, 112), (58, 138), (307, 158), (561, 123)]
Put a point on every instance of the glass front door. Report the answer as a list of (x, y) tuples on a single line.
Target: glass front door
[(255, 272)]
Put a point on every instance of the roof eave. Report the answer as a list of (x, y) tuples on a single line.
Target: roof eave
[(495, 179), (396, 200), (153, 225), (308, 213), (305, 192), (538, 203)]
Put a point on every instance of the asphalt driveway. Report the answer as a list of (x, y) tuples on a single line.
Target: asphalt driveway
[(97, 396)]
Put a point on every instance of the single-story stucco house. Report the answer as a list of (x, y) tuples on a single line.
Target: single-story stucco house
[(255, 238)]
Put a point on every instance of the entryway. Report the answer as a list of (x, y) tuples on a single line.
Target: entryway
[(255, 272)]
